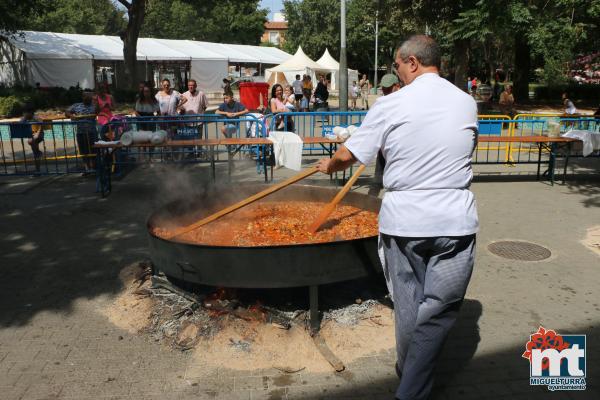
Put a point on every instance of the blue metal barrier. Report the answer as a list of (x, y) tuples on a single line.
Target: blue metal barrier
[(314, 124)]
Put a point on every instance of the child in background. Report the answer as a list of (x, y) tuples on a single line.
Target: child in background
[(37, 136), (354, 94), (290, 99)]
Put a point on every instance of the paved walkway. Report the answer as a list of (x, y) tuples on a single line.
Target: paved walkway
[(61, 248)]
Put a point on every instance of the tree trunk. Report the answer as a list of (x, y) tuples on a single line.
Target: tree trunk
[(522, 64), (461, 63), (136, 11)]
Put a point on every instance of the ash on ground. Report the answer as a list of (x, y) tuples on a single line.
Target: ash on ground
[(352, 314), (230, 329)]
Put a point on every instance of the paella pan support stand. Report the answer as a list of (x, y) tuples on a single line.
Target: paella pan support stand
[(314, 317)]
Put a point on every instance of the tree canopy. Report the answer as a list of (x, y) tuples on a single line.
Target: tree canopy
[(225, 21), (477, 36), (95, 17)]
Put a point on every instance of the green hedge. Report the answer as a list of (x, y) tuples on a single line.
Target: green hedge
[(11, 106), (584, 92), (13, 99)]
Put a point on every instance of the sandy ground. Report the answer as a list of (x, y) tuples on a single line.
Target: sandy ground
[(244, 345), (592, 240)]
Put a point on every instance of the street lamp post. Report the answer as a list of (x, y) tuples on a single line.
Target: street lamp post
[(376, 47), (343, 63)]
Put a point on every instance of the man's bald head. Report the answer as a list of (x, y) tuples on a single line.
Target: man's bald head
[(423, 48), (418, 55)]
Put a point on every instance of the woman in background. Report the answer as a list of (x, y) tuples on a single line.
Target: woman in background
[(277, 104), (105, 105)]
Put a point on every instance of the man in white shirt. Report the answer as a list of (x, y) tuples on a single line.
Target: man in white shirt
[(427, 132), (297, 85)]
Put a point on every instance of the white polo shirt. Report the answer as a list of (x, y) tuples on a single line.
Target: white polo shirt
[(427, 132)]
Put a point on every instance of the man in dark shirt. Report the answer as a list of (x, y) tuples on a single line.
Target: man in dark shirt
[(230, 109)]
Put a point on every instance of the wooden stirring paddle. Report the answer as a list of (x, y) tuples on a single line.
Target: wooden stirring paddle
[(328, 209), (245, 202)]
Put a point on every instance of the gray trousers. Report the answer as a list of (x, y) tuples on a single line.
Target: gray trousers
[(428, 278)]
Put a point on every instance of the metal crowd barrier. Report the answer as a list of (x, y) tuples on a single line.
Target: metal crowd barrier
[(493, 153), (551, 125), (60, 151), (313, 124)]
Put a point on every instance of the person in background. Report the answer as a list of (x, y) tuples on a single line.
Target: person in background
[(146, 106), (389, 84), (169, 100), (290, 98), (474, 85), (37, 133), (105, 105), (227, 86), (364, 85), (307, 89), (507, 101), (297, 84), (277, 104), (85, 115), (196, 101), (354, 95), (230, 109), (141, 85), (469, 84), (569, 106), (321, 93)]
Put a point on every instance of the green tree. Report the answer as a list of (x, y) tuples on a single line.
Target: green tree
[(224, 21), (314, 24), (136, 11), (17, 13), (95, 17)]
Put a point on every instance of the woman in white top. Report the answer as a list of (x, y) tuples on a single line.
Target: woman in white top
[(169, 100)]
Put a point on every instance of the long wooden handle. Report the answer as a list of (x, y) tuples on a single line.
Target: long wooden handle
[(244, 202), (328, 209)]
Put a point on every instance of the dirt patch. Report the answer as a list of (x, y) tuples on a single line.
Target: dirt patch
[(130, 310), (234, 341), (592, 239), (243, 346)]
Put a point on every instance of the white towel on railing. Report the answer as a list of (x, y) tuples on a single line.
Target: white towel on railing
[(287, 149), (590, 139)]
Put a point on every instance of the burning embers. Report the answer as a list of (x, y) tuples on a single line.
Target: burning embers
[(224, 302), (181, 318)]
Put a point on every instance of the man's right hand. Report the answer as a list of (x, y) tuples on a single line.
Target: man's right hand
[(323, 165)]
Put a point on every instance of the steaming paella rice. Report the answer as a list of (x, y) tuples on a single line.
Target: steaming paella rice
[(281, 223)]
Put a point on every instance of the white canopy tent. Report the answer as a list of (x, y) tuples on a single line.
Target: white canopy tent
[(61, 59), (208, 68), (44, 58), (298, 64), (327, 61)]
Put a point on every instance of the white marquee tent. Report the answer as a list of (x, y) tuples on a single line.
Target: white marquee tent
[(298, 64), (327, 61), (59, 59)]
